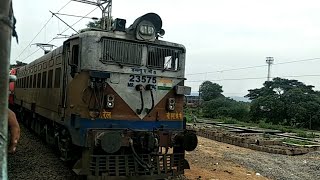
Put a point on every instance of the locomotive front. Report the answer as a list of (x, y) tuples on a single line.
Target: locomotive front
[(124, 98)]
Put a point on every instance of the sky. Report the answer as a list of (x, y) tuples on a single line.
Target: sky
[(218, 35)]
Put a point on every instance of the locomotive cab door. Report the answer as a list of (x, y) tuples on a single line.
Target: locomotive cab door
[(74, 56), (71, 54)]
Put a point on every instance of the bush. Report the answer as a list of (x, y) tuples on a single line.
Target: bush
[(229, 120), (225, 107)]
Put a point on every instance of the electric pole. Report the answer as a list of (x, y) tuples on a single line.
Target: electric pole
[(269, 61), (6, 28)]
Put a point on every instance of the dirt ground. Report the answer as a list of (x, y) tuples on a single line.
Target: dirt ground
[(208, 163)]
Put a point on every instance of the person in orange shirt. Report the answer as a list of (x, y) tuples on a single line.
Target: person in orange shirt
[(14, 130)]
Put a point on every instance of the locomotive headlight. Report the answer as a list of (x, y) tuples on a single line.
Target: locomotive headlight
[(146, 30), (110, 101), (171, 104), (150, 30), (147, 27), (110, 105), (143, 29)]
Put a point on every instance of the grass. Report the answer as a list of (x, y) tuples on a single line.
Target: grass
[(299, 132), (306, 134), (294, 141), (188, 113), (262, 124)]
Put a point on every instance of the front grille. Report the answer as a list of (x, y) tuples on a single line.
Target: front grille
[(121, 52), (125, 165)]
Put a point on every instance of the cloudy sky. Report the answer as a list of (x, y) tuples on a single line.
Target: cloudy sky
[(220, 35)]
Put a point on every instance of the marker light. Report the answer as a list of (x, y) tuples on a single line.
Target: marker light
[(171, 104), (110, 101)]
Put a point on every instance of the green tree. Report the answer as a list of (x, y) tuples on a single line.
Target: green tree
[(225, 107), (94, 24), (18, 64), (98, 23), (284, 101), (209, 91)]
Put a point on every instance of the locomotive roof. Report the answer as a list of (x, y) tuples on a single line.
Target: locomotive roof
[(120, 35), (100, 34)]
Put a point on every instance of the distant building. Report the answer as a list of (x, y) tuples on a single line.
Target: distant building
[(192, 100)]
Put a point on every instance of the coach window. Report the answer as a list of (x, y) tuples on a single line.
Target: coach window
[(24, 82), (57, 77), (30, 81), (27, 82), (34, 80), (39, 80), (44, 79), (50, 74)]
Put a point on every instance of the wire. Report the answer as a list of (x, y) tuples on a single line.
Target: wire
[(251, 67), (38, 34), (78, 20), (93, 18), (59, 33), (30, 55), (253, 78), (64, 6), (303, 60), (236, 79), (33, 39)]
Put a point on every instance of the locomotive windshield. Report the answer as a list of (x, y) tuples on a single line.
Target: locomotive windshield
[(163, 57), (131, 53)]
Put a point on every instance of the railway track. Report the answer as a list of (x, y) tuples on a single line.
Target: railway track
[(266, 140), (236, 128), (36, 160)]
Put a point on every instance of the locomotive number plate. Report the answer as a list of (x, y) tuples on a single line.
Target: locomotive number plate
[(142, 79)]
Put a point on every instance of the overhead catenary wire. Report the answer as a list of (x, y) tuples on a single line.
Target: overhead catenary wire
[(255, 78), (82, 17), (71, 15), (39, 33), (252, 67), (60, 33)]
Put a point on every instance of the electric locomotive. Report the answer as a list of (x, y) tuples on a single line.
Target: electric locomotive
[(112, 100)]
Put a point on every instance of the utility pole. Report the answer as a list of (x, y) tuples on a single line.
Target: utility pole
[(6, 24), (199, 96), (269, 61), (106, 7)]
